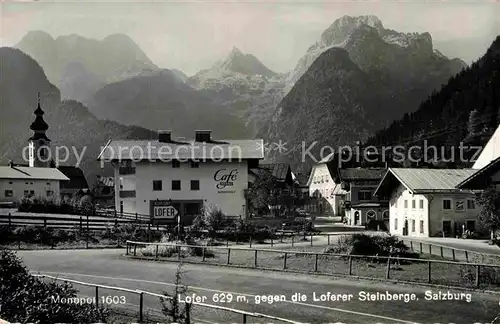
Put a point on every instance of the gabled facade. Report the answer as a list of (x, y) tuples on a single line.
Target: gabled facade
[(426, 202), (326, 193), (362, 205)]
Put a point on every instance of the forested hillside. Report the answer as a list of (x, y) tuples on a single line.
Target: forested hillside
[(465, 110)]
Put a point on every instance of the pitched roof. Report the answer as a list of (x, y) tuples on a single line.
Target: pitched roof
[(351, 174), (481, 178), (76, 177), (17, 172), (337, 190), (423, 180), (490, 152), (327, 158), (278, 170), (107, 181), (154, 150)]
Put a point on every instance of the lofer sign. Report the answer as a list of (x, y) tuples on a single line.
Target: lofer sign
[(164, 212), (225, 178)]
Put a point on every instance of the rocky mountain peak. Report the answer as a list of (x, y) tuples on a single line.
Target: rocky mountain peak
[(343, 27), (242, 63)]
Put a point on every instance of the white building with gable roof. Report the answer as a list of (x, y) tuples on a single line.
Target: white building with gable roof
[(429, 202)]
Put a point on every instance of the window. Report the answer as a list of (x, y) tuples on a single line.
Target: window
[(176, 184), (176, 164), (446, 203), (364, 195), (121, 207), (9, 193), (49, 193), (26, 193), (157, 185), (10, 182), (194, 164), (413, 204), (421, 227), (32, 193), (413, 226), (395, 224), (421, 204), (48, 183), (406, 203), (471, 204), (195, 184)]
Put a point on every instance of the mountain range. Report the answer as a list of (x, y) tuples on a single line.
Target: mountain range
[(355, 80), (465, 111), (80, 66), (70, 123)]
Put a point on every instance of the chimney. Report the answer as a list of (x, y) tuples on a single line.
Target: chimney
[(165, 136), (202, 136)]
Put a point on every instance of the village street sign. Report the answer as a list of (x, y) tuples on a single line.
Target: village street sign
[(164, 212)]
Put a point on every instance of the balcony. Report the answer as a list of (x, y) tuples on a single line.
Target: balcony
[(127, 193), (126, 170)]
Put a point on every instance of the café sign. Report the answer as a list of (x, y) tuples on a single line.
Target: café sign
[(225, 178)]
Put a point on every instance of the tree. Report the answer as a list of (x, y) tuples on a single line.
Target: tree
[(27, 299), (267, 191), (489, 200), (171, 306)]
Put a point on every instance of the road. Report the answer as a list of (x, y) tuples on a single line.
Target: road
[(109, 267)]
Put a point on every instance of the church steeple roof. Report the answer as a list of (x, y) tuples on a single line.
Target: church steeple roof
[(39, 126)]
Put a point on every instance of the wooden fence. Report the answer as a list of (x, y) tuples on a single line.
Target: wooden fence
[(189, 305), (449, 252), (428, 271)]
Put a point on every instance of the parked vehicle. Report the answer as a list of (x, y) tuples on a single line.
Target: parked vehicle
[(299, 224)]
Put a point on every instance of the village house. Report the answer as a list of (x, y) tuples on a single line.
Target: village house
[(18, 182), (427, 202), (38, 178), (166, 178), (360, 203), (326, 193)]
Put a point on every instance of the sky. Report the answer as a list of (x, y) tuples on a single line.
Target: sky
[(192, 35)]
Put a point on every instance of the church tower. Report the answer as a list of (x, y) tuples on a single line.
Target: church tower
[(39, 144)]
